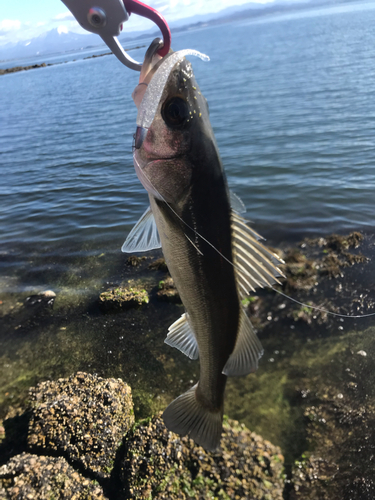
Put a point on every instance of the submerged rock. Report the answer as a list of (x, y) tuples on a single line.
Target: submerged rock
[(135, 261), (159, 464), (303, 271), (46, 298), (120, 298), (84, 418), (168, 292), (159, 265), (45, 478)]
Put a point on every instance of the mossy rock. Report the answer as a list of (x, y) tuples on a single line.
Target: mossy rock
[(120, 298)]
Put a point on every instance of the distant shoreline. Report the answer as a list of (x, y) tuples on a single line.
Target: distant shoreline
[(15, 69)]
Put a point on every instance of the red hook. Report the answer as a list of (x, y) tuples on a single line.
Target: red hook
[(136, 7)]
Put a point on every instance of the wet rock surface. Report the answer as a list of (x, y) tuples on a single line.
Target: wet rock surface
[(84, 418), (340, 426), (160, 464), (29, 476)]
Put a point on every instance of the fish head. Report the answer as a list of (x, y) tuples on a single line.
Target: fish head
[(166, 141)]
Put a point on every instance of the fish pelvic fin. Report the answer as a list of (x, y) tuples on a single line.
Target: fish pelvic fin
[(187, 416), (182, 337), (144, 236), (246, 352)]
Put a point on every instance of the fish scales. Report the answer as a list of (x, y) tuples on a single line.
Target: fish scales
[(177, 160)]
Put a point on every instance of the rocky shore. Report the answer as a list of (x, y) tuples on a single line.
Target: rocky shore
[(313, 394), (82, 443), (16, 69)]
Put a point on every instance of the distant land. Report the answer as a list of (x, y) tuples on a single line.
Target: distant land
[(52, 42), (16, 69)]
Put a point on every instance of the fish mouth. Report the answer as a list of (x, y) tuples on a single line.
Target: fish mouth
[(145, 162), (139, 137), (141, 165)]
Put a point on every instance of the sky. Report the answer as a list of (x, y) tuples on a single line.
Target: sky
[(25, 19)]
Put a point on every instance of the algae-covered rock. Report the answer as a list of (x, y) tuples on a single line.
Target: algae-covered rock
[(159, 464), (168, 292), (119, 298), (84, 418), (28, 476)]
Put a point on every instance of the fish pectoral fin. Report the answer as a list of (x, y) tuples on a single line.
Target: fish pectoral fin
[(182, 336), (236, 203), (246, 352), (185, 415), (144, 236), (255, 265)]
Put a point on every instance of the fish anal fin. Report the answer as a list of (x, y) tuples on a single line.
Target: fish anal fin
[(181, 336), (247, 351), (186, 416), (144, 236)]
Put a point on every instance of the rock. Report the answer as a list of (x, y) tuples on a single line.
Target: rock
[(28, 476), (168, 292), (83, 418), (134, 261), (46, 298), (159, 265), (159, 464), (120, 298)]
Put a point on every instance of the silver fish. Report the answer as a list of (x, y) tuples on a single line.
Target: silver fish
[(215, 259)]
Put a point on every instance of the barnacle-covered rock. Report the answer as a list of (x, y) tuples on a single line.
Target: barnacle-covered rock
[(83, 418), (45, 478), (159, 464)]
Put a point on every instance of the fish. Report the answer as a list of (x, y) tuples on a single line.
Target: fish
[(213, 256)]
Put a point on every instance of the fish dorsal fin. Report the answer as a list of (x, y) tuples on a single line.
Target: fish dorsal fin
[(246, 352), (181, 336), (144, 236), (255, 265), (236, 203)]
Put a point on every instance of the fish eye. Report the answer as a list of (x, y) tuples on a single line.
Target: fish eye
[(175, 112)]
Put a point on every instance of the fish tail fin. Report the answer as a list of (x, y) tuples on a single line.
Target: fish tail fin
[(186, 415)]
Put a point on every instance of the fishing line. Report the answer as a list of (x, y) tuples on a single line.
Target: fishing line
[(317, 308)]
